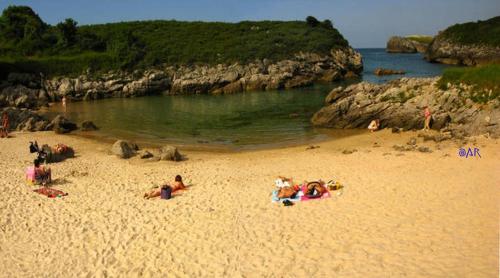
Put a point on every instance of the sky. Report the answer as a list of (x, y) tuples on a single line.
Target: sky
[(364, 23)]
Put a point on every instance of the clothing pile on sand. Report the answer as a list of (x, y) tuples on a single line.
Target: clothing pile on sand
[(286, 192), (39, 174)]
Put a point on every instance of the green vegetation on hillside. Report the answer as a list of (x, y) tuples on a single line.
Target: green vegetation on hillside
[(27, 43), (420, 38), (485, 79), (481, 32)]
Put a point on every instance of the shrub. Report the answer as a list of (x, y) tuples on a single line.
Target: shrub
[(139, 44), (481, 32)]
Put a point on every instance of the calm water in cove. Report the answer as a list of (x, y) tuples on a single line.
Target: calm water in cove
[(413, 64), (241, 121)]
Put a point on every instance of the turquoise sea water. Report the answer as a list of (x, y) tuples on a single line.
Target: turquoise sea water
[(240, 121)]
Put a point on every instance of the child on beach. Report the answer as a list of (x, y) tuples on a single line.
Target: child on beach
[(64, 103), (374, 125), (427, 116), (176, 185), (42, 175)]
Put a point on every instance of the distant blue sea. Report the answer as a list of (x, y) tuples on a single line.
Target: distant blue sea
[(413, 64)]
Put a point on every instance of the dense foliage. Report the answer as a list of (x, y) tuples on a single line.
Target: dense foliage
[(29, 43), (486, 80), (482, 32)]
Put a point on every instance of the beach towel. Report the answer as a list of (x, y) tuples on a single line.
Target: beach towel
[(275, 199), (50, 192), (305, 198)]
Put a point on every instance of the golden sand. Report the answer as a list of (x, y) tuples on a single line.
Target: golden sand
[(401, 214)]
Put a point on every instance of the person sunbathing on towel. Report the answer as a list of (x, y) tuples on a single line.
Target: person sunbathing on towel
[(176, 185), (42, 175)]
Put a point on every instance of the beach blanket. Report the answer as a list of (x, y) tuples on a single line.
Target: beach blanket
[(275, 199), (50, 192), (305, 198)]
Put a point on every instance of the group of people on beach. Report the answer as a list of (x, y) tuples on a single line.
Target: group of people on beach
[(43, 175), (375, 124)]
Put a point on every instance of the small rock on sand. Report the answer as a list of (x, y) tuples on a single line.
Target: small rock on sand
[(423, 149), (123, 149), (349, 151), (145, 154), (170, 153), (89, 126), (412, 142)]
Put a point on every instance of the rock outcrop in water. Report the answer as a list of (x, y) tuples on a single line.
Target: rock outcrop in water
[(400, 104), (30, 91), (381, 71), (397, 44)]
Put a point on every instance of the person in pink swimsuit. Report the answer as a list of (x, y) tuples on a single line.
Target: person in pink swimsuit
[(428, 116)]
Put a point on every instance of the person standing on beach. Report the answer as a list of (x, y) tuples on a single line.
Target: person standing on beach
[(64, 103), (427, 120), (5, 125)]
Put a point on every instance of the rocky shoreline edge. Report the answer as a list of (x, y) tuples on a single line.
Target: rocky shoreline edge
[(24, 90), (399, 105)]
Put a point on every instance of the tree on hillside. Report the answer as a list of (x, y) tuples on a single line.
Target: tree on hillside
[(312, 21), (67, 30), (21, 23), (127, 48), (327, 24)]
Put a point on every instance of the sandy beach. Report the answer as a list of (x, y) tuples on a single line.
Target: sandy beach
[(401, 214)]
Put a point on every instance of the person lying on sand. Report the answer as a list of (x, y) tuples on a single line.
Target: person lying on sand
[(176, 185), (42, 175)]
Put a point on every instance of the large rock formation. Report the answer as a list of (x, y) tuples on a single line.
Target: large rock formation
[(397, 44), (445, 51), (23, 119), (400, 104), (470, 44), (23, 90)]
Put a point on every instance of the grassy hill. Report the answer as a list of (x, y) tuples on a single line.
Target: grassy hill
[(420, 38), (29, 44), (485, 32)]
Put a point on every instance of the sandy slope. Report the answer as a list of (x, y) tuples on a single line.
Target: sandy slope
[(411, 215)]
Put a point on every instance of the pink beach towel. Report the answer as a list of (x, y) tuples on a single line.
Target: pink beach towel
[(305, 198)]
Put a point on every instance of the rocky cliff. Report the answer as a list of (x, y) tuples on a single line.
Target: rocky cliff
[(445, 51), (470, 44), (397, 44), (400, 104), (30, 91)]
